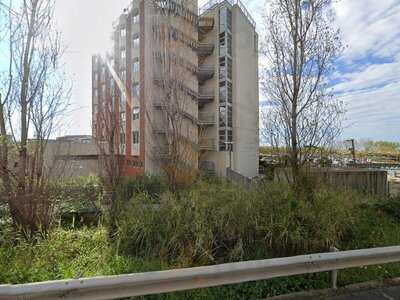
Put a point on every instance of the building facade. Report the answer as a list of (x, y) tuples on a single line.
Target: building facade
[(189, 93)]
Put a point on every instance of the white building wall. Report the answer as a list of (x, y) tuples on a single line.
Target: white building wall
[(246, 96)]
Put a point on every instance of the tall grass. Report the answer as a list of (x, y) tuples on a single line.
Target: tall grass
[(212, 223)]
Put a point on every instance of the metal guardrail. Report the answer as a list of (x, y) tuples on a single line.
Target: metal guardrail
[(210, 4), (114, 287)]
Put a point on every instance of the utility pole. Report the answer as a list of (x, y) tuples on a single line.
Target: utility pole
[(352, 149)]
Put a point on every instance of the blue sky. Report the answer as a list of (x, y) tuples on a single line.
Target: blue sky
[(367, 78)]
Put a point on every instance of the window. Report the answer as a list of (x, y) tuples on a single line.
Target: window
[(123, 76), (222, 19), (135, 66), (230, 95), (135, 113), (222, 68), (103, 90), (123, 32), (229, 19), (222, 49), (229, 44), (230, 136), (222, 140), (135, 137), (230, 118), (135, 18), (122, 148), (136, 90), (222, 116), (122, 138), (123, 54), (123, 117), (229, 68), (136, 41), (123, 102), (222, 92)]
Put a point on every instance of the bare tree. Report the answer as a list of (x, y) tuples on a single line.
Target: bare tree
[(175, 149), (300, 48), (108, 129), (36, 97)]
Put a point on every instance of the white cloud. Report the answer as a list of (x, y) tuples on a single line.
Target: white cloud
[(368, 26), (371, 84)]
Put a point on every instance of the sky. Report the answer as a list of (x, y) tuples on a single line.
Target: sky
[(367, 76)]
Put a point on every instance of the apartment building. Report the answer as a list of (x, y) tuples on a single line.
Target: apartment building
[(232, 139), (187, 75)]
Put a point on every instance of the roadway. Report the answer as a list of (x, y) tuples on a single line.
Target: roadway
[(389, 293), (375, 290)]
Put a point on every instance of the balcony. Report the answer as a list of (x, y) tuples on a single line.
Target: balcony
[(206, 144), (205, 72), (160, 152), (207, 119), (206, 24), (205, 49), (159, 127), (172, 83), (158, 104), (206, 95)]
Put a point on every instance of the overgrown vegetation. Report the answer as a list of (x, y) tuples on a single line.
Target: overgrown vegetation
[(211, 222)]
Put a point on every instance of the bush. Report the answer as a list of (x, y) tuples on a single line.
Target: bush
[(153, 186), (77, 201), (213, 222), (221, 222), (65, 254), (391, 206)]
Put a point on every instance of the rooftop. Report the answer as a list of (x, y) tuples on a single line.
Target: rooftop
[(212, 3)]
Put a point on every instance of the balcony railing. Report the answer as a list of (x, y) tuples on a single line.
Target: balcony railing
[(172, 83), (207, 119), (160, 152), (206, 24), (206, 95), (205, 72), (205, 49), (207, 144), (159, 127)]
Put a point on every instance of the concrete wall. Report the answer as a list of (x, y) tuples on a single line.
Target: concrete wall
[(246, 96), (68, 159)]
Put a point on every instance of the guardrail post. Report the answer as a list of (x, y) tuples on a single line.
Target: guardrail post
[(334, 273)]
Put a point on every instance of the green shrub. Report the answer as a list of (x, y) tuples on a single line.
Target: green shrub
[(78, 194), (221, 222), (154, 186), (390, 206), (213, 222), (65, 254)]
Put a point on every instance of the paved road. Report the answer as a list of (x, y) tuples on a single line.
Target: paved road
[(363, 291), (390, 293)]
